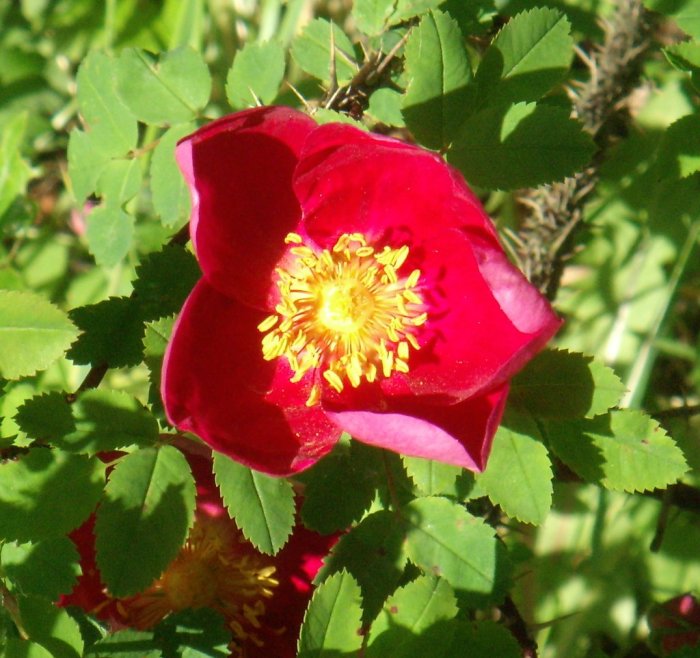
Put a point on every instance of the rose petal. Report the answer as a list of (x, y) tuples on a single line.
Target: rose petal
[(352, 181), (239, 170), (484, 320), (217, 385), (459, 434)]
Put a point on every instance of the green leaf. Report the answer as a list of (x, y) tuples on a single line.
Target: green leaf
[(15, 648), (119, 181), (14, 171), (262, 506), (126, 644), (518, 476), (332, 623), (33, 333), (624, 451), (110, 232), (198, 633), (52, 627), (170, 194), (408, 613), (340, 487), (431, 477), (88, 155), (312, 51), (170, 89), (373, 553), (520, 146), (438, 69), (163, 281), (323, 115), (437, 530), (100, 105), (530, 54), (112, 333), (679, 150), (46, 568), (562, 384), (371, 16), (406, 9), (688, 19), (256, 74), (155, 343), (97, 421), (385, 107), (144, 518), (47, 493)]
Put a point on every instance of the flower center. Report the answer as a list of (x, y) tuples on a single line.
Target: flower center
[(345, 312), (216, 568)]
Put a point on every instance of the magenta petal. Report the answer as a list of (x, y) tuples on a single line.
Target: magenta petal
[(217, 385), (459, 434), (239, 170), (484, 320), (351, 181)]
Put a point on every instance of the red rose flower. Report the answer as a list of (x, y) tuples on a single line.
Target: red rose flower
[(675, 624), (261, 598), (351, 282)]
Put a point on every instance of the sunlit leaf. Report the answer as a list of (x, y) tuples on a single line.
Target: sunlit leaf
[(438, 71), (332, 620), (312, 51), (262, 506), (33, 333), (170, 89), (256, 74), (518, 475)]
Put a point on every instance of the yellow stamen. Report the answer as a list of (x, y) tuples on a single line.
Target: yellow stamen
[(346, 312)]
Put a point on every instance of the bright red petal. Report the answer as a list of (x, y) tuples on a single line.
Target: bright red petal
[(459, 434), (239, 170), (217, 385), (350, 181), (484, 320)]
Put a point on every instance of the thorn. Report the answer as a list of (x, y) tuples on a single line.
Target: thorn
[(298, 94)]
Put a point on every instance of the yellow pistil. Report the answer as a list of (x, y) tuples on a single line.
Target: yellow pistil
[(346, 312)]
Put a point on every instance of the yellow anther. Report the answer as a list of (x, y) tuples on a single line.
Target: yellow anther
[(334, 380), (345, 313), (269, 322)]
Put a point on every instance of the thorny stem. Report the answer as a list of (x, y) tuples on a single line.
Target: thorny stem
[(554, 213)]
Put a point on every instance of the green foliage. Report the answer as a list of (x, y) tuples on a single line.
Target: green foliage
[(436, 531), (262, 506), (97, 421), (341, 487), (171, 198), (520, 145), (373, 554), (518, 476), (679, 150), (624, 451), (51, 627), (439, 71), (561, 384), (47, 493), (168, 89), (526, 59), (430, 477), (33, 332), (256, 75), (126, 644), (45, 568), (323, 46), (14, 170), (409, 612), (332, 621), (144, 517), (200, 633)]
